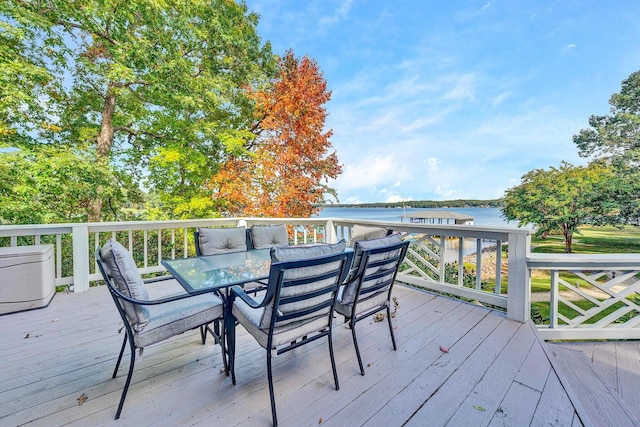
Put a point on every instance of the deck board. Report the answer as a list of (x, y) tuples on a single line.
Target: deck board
[(492, 362)]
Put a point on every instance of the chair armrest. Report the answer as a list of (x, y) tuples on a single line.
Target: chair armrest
[(158, 301), (237, 291)]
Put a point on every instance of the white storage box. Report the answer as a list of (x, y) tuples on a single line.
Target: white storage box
[(27, 278)]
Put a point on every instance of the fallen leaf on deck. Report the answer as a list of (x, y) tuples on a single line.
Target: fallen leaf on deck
[(83, 398), (479, 408), (320, 421), (444, 349)]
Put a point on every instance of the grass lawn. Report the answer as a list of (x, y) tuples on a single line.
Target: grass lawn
[(592, 240)]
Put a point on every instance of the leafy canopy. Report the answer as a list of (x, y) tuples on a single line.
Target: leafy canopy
[(561, 199), (157, 90), (284, 170)]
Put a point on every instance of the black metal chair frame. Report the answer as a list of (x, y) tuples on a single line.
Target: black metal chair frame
[(360, 295), (276, 283), (217, 333)]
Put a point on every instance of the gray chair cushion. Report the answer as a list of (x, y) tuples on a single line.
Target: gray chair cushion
[(267, 236), (122, 268), (363, 232), (294, 253), (343, 307), (348, 294), (251, 318), (222, 240), (176, 317)]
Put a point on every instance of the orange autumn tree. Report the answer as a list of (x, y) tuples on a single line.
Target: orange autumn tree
[(284, 170)]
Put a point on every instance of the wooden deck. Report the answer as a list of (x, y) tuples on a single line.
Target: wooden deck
[(56, 366)]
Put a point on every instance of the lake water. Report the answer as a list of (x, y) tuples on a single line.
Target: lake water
[(481, 216)]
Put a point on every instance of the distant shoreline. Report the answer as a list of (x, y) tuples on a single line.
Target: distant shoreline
[(423, 204)]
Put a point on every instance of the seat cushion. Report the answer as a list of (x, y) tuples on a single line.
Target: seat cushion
[(364, 232), (222, 240), (176, 317), (121, 267), (267, 236), (376, 300), (250, 318)]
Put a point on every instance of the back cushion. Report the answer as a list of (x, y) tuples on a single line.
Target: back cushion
[(363, 232), (267, 236), (349, 293), (121, 267), (222, 240), (294, 253)]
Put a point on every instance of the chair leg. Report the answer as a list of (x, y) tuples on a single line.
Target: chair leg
[(124, 344), (333, 361), (221, 337), (203, 334), (230, 331), (393, 338), (128, 382), (272, 396), (352, 323)]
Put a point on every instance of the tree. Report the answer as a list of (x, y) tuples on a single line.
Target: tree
[(615, 138), (155, 89), (50, 185), (562, 199), (284, 170)]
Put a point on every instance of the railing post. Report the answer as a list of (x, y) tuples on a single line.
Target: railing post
[(80, 237), (519, 284), (330, 232)]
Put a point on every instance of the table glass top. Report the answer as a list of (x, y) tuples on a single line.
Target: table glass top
[(212, 272)]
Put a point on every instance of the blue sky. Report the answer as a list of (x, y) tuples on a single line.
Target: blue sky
[(440, 100)]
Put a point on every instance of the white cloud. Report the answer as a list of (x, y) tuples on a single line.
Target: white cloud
[(370, 171), (340, 14)]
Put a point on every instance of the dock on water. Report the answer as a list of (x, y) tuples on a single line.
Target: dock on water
[(438, 217)]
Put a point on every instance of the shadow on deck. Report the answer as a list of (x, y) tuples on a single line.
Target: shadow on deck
[(57, 364)]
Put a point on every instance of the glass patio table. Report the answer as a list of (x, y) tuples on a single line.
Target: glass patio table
[(215, 273)]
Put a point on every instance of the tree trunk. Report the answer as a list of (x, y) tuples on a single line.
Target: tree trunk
[(104, 142), (568, 237)]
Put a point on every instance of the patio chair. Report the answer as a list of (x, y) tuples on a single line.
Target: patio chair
[(297, 307), (150, 321), (268, 236), (368, 288), (213, 241)]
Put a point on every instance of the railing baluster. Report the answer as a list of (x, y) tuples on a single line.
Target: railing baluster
[(460, 261), (159, 247), (145, 251), (478, 264), (498, 288)]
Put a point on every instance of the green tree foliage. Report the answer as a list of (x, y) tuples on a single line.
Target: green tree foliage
[(563, 198), (156, 90), (50, 185), (615, 138)]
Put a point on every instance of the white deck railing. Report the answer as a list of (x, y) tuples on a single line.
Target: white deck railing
[(461, 261), (591, 296)]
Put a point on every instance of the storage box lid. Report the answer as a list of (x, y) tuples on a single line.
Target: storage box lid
[(25, 251)]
